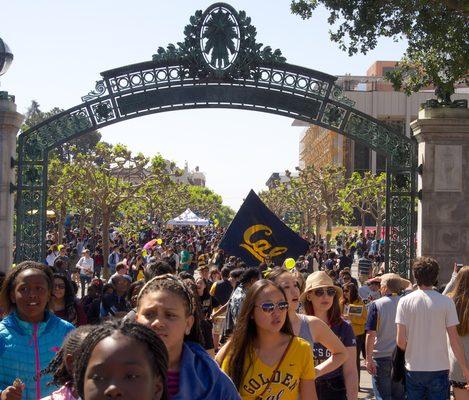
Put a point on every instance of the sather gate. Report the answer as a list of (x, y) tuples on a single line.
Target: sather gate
[(218, 65)]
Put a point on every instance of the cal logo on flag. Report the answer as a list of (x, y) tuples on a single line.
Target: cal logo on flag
[(256, 233)]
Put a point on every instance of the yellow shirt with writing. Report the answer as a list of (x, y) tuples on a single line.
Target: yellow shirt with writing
[(297, 365)]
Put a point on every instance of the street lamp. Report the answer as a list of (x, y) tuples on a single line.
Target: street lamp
[(6, 57)]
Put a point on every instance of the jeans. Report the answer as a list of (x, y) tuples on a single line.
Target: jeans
[(384, 387), (84, 279), (331, 388), (428, 385)]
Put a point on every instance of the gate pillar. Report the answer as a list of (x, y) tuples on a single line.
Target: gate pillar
[(10, 122), (443, 208)]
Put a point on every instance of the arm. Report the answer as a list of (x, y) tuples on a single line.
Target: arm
[(450, 285), (370, 346), (308, 389), (401, 338), (458, 350), (351, 374), (220, 311), (222, 353), (324, 335)]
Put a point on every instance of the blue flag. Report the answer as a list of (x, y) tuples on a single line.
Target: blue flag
[(256, 233)]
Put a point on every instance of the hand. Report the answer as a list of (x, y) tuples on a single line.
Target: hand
[(12, 393), (371, 366), (465, 372)]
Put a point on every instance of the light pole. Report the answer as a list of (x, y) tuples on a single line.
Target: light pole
[(10, 123)]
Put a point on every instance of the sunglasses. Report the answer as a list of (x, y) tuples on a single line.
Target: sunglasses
[(270, 307), (320, 292), (346, 291)]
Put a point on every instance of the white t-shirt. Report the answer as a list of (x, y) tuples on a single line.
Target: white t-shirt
[(426, 314), (86, 266)]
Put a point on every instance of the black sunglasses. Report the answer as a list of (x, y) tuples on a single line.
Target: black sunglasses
[(329, 291), (270, 307)]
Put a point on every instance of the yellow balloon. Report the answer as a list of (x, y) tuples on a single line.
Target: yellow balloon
[(289, 263), (159, 241)]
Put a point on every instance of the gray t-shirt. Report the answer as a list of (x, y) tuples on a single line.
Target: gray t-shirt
[(382, 319)]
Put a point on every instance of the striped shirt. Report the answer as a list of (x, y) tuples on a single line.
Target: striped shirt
[(364, 266), (173, 382)]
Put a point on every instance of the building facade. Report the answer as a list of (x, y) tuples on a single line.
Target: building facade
[(374, 96)]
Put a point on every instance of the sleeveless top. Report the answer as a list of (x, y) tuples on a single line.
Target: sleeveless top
[(305, 332)]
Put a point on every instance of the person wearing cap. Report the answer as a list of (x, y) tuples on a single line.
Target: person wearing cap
[(321, 299), (381, 338)]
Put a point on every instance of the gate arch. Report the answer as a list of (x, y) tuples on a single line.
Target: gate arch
[(195, 74)]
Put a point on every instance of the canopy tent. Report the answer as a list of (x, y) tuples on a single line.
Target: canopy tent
[(188, 218)]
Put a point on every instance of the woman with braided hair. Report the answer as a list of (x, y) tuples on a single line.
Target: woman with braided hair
[(61, 366), (167, 305), (121, 360)]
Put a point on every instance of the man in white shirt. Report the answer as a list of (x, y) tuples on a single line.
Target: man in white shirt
[(423, 318)]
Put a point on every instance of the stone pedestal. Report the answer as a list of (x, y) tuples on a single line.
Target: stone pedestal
[(443, 211), (10, 122)]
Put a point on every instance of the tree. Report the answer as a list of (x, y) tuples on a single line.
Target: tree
[(329, 180), (437, 33), (367, 193), (203, 201), (114, 176), (68, 150)]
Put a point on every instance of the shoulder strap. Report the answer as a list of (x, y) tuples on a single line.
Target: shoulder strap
[(276, 369)]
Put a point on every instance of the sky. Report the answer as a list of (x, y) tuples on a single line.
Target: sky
[(61, 46)]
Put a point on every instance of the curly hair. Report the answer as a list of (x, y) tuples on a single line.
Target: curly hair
[(57, 367), (10, 282), (181, 289), (69, 298), (157, 353)]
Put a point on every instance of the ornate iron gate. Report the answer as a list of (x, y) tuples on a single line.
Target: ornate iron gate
[(218, 65)]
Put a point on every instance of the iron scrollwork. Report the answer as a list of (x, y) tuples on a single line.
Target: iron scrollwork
[(217, 67)]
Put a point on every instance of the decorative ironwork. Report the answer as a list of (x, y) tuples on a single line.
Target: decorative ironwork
[(98, 91), (181, 78)]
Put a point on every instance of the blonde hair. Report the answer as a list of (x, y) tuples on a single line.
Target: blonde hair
[(460, 296)]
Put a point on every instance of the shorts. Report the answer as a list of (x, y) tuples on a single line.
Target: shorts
[(218, 325)]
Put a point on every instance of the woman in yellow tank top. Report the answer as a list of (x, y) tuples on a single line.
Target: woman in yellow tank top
[(263, 357)]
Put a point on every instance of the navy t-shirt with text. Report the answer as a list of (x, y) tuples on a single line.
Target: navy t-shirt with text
[(345, 333)]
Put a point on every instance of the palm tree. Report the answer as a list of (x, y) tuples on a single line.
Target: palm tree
[(220, 32)]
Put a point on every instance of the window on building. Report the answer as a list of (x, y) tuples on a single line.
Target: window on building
[(362, 157), (380, 163)]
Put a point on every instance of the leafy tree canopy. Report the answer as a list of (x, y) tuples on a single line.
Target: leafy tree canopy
[(437, 33)]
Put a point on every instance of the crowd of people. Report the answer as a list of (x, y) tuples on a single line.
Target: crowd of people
[(174, 317)]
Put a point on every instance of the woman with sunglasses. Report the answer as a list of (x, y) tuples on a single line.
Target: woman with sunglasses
[(321, 299), (354, 311), (309, 328), (263, 357)]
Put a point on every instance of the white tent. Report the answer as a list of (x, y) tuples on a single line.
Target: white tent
[(188, 218)]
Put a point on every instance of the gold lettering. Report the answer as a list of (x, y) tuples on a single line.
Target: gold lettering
[(261, 248)]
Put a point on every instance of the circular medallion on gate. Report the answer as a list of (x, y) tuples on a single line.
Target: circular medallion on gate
[(220, 36)]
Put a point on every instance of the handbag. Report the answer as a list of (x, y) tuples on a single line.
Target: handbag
[(259, 397)]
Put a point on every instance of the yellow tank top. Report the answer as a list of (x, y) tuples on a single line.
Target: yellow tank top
[(297, 365)]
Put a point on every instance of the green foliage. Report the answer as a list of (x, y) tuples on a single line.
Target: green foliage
[(69, 150), (437, 33), (367, 193)]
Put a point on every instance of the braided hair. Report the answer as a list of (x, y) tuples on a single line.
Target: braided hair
[(157, 353), (181, 289), (57, 367)]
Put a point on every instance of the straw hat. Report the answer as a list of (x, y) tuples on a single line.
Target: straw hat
[(316, 280)]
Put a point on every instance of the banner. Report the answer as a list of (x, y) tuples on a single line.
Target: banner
[(256, 233)]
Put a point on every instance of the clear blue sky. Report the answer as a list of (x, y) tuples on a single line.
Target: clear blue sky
[(60, 47)]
